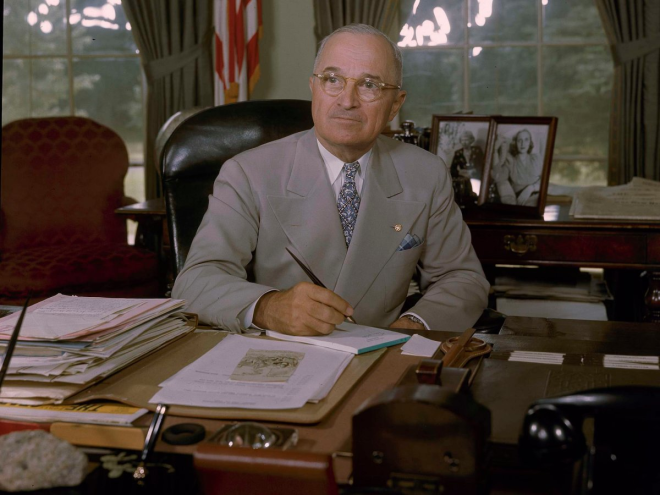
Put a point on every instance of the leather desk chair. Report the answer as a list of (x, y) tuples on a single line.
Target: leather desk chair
[(199, 146), (62, 179)]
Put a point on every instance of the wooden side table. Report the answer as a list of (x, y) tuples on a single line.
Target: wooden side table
[(561, 240), (152, 233)]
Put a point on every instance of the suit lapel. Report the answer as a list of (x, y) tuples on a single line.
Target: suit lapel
[(310, 219), (375, 239)]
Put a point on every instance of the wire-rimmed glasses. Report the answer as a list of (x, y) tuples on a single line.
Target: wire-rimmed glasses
[(366, 88)]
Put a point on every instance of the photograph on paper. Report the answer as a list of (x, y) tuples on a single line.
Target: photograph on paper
[(260, 365)]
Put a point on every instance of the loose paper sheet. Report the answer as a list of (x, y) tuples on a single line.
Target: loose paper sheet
[(69, 317), (420, 346)]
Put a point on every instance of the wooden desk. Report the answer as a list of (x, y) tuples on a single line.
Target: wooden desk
[(561, 240), (506, 388)]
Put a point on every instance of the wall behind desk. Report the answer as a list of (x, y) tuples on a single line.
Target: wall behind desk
[(286, 50)]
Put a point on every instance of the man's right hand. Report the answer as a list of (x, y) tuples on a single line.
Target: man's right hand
[(304, 309)]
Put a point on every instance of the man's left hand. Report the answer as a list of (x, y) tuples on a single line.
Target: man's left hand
[(407, 324)]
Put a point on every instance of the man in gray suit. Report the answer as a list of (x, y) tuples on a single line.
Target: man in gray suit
[(364, 212)]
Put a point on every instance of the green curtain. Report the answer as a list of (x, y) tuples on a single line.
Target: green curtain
[(174, 38), (333, 14), (633, 30)]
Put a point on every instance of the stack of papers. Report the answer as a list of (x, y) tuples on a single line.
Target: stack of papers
[(637, 200), (255, 373), (68, 343)]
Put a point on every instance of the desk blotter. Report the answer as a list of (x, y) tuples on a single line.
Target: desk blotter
[(138, 383)]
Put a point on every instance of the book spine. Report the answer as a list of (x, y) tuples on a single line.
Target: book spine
[(118, 437)]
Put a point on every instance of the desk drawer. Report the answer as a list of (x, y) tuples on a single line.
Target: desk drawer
[(538, 246)]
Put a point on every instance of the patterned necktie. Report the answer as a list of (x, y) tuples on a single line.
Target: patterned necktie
[(348, 203)]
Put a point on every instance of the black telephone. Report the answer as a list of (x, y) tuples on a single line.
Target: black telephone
[(625, 455)]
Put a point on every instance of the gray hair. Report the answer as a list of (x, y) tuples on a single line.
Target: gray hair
[(365, 29)]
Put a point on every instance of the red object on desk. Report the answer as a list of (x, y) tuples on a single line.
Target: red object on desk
[(8, 426)]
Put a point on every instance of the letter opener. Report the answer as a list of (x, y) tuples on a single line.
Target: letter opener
[(311, 275), (12, 343)]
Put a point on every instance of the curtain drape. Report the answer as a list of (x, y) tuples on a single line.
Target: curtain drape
[(633, 30), (174, 38), (333, 14)]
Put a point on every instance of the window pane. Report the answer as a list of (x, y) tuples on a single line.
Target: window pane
[(503, 81), (579, 173), (574, 20), (134, 183), (34, 28), (502, 21), (134, 188), (120, 108), (15, 93), (50, 88), (431, 22), (100, 27), (577, 89), (434, 82), (16, 36)]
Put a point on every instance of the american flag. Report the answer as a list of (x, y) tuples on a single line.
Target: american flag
[(238, 27)]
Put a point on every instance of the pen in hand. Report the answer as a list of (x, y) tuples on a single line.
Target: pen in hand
[(312, 277)]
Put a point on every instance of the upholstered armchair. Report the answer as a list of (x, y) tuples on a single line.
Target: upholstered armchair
[(62, 178)]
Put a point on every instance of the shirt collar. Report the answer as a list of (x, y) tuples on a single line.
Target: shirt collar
[(334, 164)]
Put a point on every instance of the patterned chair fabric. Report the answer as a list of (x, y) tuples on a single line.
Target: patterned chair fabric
[(62, 179)]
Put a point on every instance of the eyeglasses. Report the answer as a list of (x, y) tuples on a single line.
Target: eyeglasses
[(367, 89)]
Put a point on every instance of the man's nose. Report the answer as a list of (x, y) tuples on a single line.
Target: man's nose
[(349, 98)]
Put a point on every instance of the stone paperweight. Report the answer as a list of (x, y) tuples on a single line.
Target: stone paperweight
[(35, 459)]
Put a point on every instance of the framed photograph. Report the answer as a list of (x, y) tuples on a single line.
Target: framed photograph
[(517, 170), (462, 142)]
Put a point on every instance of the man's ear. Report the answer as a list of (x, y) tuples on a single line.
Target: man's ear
[(396, 106)]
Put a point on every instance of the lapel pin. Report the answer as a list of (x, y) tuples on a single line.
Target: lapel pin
[(397, 227)]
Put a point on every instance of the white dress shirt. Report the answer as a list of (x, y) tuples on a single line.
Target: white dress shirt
[(334, 166)]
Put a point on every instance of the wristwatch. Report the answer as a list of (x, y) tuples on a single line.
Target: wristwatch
[(414, 319)]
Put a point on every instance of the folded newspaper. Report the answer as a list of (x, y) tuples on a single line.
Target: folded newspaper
[(637, 200), (68, 343)]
